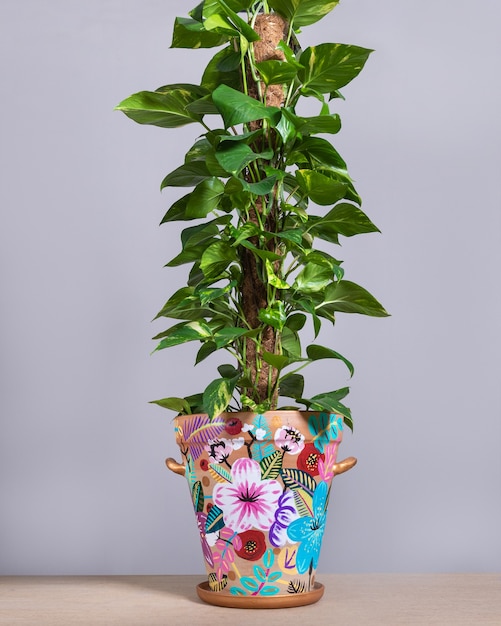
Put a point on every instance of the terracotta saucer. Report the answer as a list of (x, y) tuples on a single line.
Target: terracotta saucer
[(259, 602)]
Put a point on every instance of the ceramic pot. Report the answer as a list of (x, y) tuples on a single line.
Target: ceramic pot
[(260, 486)]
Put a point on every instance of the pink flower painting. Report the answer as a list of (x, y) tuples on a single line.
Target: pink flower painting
[(248, 501), (289, 440)]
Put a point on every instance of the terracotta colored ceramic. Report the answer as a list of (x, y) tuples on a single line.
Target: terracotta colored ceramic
[(260, 486)]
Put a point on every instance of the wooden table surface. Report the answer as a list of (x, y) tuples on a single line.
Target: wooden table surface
[(349, 600)]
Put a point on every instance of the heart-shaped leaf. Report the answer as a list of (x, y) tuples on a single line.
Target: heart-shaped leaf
[(165, 107), (238, 108), (303, 12), (330, 66)]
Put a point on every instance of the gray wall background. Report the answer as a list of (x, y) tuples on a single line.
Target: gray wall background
[(83, 488)]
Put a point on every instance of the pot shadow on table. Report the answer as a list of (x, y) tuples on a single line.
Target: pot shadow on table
[(179, 586)]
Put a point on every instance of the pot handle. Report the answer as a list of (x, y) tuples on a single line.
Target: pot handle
[(345, 465), (175, 467)]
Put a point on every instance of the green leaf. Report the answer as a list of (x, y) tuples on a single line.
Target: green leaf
[(204, 198), (223, 69), (182, 333), (246, 137), (232, 20), (338, 394), (234, 157), (318, 151), (345, 219), (271, 465), (202, 106), (325, 231), (266, 255), (303, 12), (330, 402), (227, 336), (305, 303), (244, 232), (203, 233), (330, 124), (187, 256), (199, 150), (208, 348), (165, 108), (209, 294), (190, 33), (273, 279), (278, 361), (291, 386), (183, 305), (288, 51), (177, 211), (179, 405), (313, 278), (296, 235), (238, 108), (296, 321), (276, 72), (322, 258), (321, 189), (228, 371), (330, 66), (217, 396), (221, 24), (274, 315), (315, 353), (187, 175), (286, 129), (209, 7), (327, 124), (195, 402), (236, 186), (216, 259), (262, 188), (291, 344), (349, 297)]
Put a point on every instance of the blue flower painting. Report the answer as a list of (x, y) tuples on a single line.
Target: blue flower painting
[(309, 531)]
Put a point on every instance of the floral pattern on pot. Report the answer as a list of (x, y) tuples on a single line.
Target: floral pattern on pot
[(260, 486)]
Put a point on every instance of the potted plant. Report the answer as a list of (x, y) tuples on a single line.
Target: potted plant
[(266, 186)]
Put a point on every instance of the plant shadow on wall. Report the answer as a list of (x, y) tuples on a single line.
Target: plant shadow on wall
[(268, 192)]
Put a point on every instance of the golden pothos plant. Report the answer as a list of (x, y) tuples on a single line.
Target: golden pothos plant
[(266, 185)]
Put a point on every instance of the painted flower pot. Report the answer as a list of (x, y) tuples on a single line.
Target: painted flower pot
[(260, 486)]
